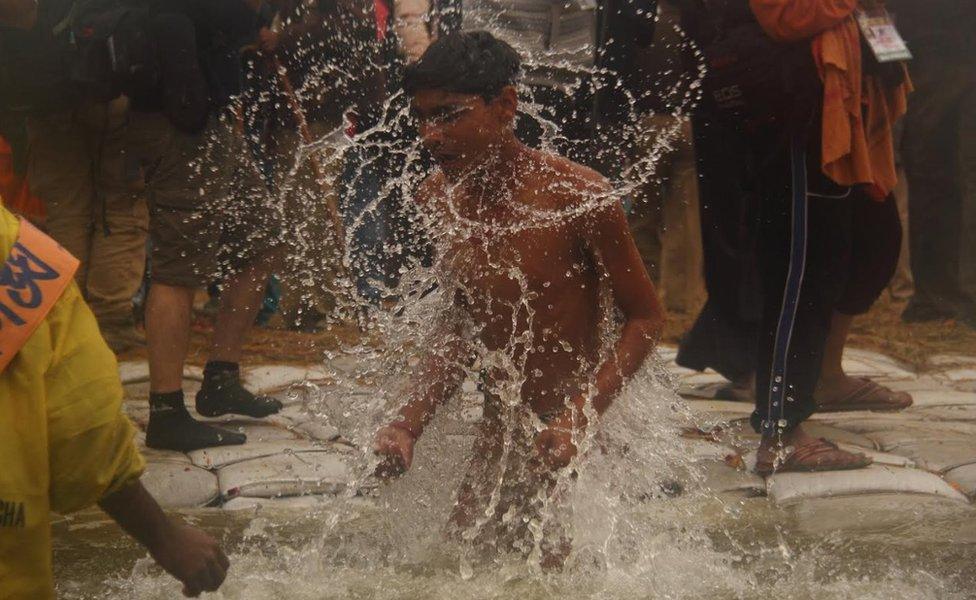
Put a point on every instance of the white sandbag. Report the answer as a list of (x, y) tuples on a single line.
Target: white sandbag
[(718, 477), (879, 458), (266, 379), (941, 396), (948, 413), (951, 360), (938, 455), (180, 484), (286, 475), (133, 371), (864, 422), (890, 439), (720, 406), (878, 513), (290, 503), (959, 375), (876, 363), (256, 430), (696, 449), (318, 429), (963, 478), (156, 455), (787, 488), (705, 377), (221, 456), (703, 391), (836, 434), (293, 503), (666, 353)]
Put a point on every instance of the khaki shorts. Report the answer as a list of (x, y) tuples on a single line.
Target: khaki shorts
[(210, 210)]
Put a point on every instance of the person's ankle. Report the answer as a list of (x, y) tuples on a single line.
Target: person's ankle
[(166, 403), (832, 376), (221, 369)]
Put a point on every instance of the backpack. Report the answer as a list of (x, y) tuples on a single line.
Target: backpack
[(91, 49), (751, 78)]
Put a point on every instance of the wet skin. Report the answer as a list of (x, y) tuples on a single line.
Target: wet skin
[(514, 271)]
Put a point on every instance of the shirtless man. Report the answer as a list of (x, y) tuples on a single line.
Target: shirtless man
[(526, 241)]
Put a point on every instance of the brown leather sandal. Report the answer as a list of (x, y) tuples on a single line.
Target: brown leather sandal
[(821, 455), (868, 395)]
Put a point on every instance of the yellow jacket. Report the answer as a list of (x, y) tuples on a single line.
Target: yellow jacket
[(64, 441)]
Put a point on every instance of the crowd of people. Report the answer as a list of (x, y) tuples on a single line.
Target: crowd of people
[(162, 146)]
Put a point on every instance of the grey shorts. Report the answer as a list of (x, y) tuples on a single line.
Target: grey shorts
[(210, 209)]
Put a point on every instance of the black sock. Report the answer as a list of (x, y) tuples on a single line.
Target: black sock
[(219, 367), (166, 402)]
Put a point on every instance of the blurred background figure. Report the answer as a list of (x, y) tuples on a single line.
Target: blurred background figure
[(664, 217), (319, 65), (795, 145), (78, 167), (939, 152)]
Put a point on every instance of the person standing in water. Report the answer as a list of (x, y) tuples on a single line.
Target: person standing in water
[(65, 443), (526, 241)]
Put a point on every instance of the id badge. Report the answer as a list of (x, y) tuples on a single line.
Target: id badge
[(881, 35)]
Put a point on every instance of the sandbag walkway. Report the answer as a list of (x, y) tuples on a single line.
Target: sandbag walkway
[(925, 455)]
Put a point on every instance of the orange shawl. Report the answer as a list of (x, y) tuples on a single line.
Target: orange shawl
[(858, 112)]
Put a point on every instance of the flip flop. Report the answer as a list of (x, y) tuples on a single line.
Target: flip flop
[(820, 455), (868, 395)]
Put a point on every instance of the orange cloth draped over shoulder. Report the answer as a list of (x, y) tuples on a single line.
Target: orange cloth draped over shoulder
[(14, 189), (858, 112)]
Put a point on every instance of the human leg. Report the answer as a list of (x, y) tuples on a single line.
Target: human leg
[(930, 149), (184, 240), (307, 274), (59, 173), (168, 311), (875, 246), (724, 334), (804, 255), (966, 169), (681, 257), (118, 243)]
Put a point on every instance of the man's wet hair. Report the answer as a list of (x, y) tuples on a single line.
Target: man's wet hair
[(469, 62)]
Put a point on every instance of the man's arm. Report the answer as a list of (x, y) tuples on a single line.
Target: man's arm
[(607, 237), (439, 374), (438, 377), (614, 251), (186, 553), (21, 14)]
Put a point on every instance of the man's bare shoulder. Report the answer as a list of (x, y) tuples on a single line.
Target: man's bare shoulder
[(567, 184)]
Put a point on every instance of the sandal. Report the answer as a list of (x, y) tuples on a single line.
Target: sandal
[(868, 395), (821, 455)]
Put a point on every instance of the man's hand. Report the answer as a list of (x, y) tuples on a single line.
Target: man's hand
[(268, 40), (192, 557), (395, 446), (555, 443), (185, 552)]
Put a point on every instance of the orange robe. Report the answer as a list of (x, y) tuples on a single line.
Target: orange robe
[(858, 112)]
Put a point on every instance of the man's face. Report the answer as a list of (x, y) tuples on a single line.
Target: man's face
[(460, 130)]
